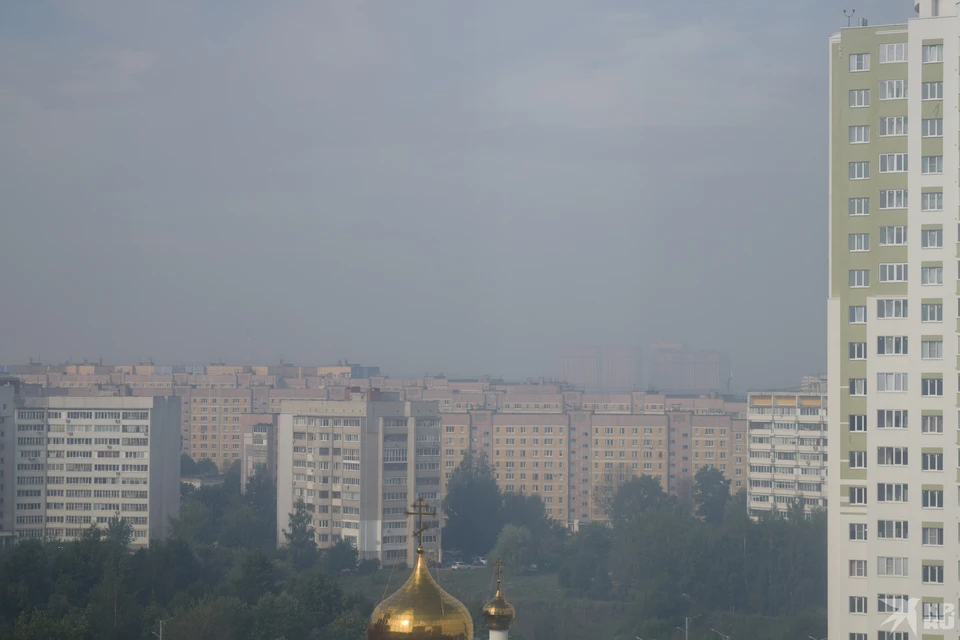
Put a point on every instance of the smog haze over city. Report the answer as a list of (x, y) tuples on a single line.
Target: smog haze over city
[(430, 186)]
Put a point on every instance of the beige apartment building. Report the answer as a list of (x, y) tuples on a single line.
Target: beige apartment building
[(358, 465), (788, 451), (86, 460)]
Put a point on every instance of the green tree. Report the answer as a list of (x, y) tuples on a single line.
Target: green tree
[(711, 493), (188, 468), (38, 625), (349, 625), (584, 562), (636, 497), (195, 524), (252, 576), (340, 556), (516, 547), (472, 507), (211, 618), (301, 544)]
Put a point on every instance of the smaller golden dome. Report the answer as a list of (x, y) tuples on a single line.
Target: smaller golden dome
[(498, 613)]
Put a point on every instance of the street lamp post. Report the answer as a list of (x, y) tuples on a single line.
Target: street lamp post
[(686, 625), (722, 635)]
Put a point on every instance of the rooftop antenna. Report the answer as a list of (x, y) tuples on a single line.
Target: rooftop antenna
[(849, 16)]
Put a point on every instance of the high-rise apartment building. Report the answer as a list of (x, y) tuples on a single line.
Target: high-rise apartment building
[(8, 481), (358, 465), (602, 368), (788, 452), (893, 507), (81, 461), (678, 369)]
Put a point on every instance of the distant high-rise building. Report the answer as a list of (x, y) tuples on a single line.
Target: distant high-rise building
[(892, 328), (358, 464), (84, 461), (611, 369), (678, 369)]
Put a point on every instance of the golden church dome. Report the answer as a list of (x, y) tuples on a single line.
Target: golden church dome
[(498, 613), (420, 609)]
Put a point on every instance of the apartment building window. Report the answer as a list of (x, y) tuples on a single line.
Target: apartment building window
[(931, 312), (860, 278), (931, 349), (858, 569), (859, 62), (893, 163), (930, 165), (893, 126), (931, 238), (931, 201), (892, 345), (858, 386), (859, 134), (931, 128), (893, 199), (931, 424), (858, 531), (858, 350), (887, 603), (859, 206), (858, 314), (858, 495), (858, 460), (892, 566), (890, 272), (893, 89), (932, 574), (859, 241), (892, 456), (891, 308), (932, 53), (860, 170), (858, 604), (931, 387), (859, 98), (931, 275), (890, 53), (857, 423), (891, 382), (931, 461), (932, 498), (893, 235), (892, 529), (932, 90), (890, 492), (933, 536)]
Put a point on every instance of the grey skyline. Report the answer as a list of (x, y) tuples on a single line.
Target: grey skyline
[(427, 186)]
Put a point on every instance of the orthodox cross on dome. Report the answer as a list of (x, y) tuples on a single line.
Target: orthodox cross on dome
[(420, 509), (499, 570)]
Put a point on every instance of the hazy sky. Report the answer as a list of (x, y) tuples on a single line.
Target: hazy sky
[(447, 186)]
